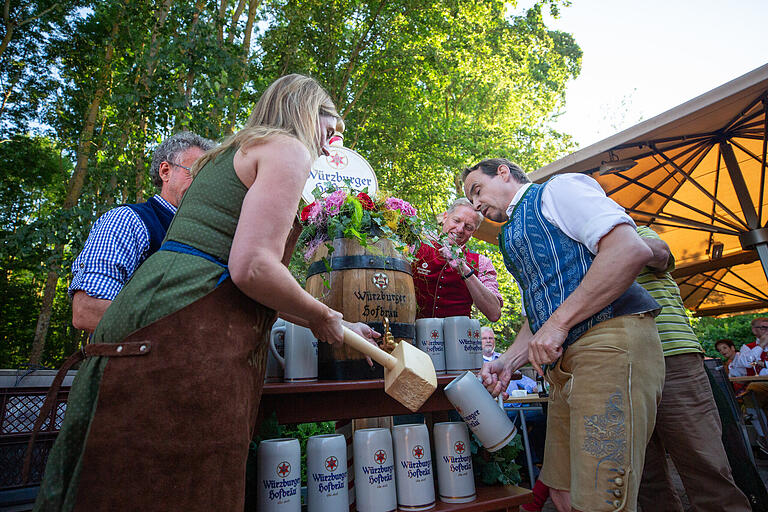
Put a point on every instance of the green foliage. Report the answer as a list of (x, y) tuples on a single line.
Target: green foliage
[(425, 88), (498, 467), (736, 328), (270, 429)]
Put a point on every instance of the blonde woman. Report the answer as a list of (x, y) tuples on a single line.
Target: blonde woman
[(164, 406)]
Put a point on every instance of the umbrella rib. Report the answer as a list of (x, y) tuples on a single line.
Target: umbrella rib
[(744, 112), (759, 292), (730, 289), (700, 154), (684, 223), (702, 189), (746, 294), (765, 150), (679, 202), (693, 147)]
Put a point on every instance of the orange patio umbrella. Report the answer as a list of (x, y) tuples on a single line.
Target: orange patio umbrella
[(696, 174)]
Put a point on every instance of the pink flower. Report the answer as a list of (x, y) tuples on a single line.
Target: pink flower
[(395, 203), (312, 247), (333, 202), (314, 211)]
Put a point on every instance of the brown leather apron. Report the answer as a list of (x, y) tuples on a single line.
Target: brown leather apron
[(172, 428)]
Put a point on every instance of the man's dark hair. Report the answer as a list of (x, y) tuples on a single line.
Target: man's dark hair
[(725, 341), (171, 148), (490, 166)]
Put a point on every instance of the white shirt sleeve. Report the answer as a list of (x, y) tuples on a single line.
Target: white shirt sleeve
[(577, 205)]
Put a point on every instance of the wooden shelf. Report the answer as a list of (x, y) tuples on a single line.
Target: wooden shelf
[(498, 498), (340, 400)]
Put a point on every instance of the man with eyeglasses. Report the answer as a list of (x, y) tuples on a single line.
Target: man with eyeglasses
[(122, 238)]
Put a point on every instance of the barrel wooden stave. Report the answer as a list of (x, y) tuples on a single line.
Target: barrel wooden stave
[(355, 293)]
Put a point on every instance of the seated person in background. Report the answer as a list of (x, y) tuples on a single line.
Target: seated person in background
[(728, 350), (522, 382), (448, 287), (489, 344), (751, 360)]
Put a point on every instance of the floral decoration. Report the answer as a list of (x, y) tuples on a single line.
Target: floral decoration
[(341, 212)]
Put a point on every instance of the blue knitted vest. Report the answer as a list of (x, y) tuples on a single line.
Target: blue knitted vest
[(549, 266), (157, 219)]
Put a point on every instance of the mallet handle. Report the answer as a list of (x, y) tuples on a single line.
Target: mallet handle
[(360, 344)]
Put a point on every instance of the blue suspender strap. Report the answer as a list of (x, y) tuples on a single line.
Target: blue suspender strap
[(174, 246)]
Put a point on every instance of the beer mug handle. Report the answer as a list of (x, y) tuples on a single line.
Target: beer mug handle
[(277, 331)]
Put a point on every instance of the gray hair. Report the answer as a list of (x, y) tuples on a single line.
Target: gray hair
[(485, 328), (170, 149), (490, 167), (463, 201)]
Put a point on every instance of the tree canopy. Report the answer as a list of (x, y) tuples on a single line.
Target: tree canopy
[(88, 88)]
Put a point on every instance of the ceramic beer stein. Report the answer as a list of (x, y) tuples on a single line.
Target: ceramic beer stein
[(374, 470), (429, 339), (277, 337), (300, 361), (327, 478), (413, 467), (461, 351), (279, 475), (480, 411), (455, 478)]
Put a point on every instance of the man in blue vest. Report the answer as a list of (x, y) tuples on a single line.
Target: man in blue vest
[(121, 239), (575, 256)]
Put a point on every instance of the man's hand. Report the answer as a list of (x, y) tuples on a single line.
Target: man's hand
[(496, 375), (366, 332), (447, 254), (546, 346)]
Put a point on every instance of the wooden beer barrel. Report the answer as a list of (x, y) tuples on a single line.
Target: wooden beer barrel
[(367, 284)]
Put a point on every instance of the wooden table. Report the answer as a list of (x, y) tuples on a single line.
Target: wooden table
[(533, 398), (749, 378)]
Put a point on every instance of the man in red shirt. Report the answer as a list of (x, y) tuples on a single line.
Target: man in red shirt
[(450, 279)]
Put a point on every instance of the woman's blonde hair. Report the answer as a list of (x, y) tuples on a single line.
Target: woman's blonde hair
[(291, 105)]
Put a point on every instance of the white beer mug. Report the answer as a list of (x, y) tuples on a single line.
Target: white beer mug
[(327, 477), (277, 336), (413, 467), (279, 475), (300, 361), (429, 339), (374, 470), (455, 478), (480, 411), (461, 351)]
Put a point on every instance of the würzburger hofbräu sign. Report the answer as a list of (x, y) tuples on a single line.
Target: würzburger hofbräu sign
[(340, 166)]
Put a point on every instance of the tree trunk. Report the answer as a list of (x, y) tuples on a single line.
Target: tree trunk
[(74, 189), (44, 320), (245, 51)]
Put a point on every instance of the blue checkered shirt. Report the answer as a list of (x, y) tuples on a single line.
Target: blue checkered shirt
[(116, 246)]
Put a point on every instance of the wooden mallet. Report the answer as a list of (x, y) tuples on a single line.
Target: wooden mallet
[(409, 375)]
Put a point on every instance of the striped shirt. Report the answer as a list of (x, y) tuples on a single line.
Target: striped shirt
[(675, 331), (117, 244)]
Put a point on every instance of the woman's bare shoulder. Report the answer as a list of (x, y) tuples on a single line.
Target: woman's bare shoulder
[(280, 151)]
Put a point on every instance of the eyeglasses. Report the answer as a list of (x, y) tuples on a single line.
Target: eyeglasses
[(761, 327), (188, 169), (182, 166)]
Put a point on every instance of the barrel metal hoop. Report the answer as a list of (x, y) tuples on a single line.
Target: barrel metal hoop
[(360, 261), (398, 329)]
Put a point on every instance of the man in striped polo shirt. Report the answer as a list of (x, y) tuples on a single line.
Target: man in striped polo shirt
[(687, 423)]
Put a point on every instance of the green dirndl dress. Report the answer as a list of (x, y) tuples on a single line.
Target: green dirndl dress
[(204, 374)]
